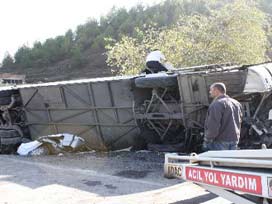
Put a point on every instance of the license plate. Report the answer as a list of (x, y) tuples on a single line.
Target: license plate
[(174, 171)]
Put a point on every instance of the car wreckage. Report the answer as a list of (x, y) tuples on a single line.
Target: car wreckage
[(167, 109)]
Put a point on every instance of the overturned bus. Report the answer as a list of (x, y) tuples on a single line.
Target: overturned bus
[(118, 112)]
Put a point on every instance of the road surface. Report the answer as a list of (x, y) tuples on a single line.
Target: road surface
[(95, 178)]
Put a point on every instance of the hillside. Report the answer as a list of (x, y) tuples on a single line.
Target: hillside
[(81, 53), (95, 66)]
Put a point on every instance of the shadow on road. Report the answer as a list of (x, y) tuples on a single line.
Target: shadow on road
[(197, 200)]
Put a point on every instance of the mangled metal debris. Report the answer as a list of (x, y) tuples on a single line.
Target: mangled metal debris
[(52, 145)]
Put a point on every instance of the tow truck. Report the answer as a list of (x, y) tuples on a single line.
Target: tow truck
[(240, 176)]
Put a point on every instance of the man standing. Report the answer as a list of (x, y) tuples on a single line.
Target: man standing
[(223, 120), (154, 62)]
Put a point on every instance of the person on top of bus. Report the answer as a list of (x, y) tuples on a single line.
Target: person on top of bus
[(154, 62)]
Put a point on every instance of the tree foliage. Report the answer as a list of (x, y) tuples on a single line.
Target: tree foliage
[(233, 33), (8, 61)]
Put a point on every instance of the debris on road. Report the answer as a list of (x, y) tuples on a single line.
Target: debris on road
[(52, 145)]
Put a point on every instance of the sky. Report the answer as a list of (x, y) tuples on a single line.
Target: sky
[(26, 21)]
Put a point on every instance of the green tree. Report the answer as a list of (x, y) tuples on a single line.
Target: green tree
[(77, 57), (86, 34), (127, 54), (8, 61), (38, 55), (23, 57), (68, 42)]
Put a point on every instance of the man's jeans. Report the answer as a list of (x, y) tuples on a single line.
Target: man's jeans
[(220, 146)]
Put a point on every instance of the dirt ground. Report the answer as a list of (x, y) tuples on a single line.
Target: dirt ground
[(95, 178)]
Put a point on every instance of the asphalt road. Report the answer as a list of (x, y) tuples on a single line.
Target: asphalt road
[(95, 178)]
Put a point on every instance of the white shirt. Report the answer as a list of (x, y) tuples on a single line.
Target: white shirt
[(155, 56)]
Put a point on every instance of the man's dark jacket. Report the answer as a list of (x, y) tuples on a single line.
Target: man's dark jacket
[(223, 121)]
